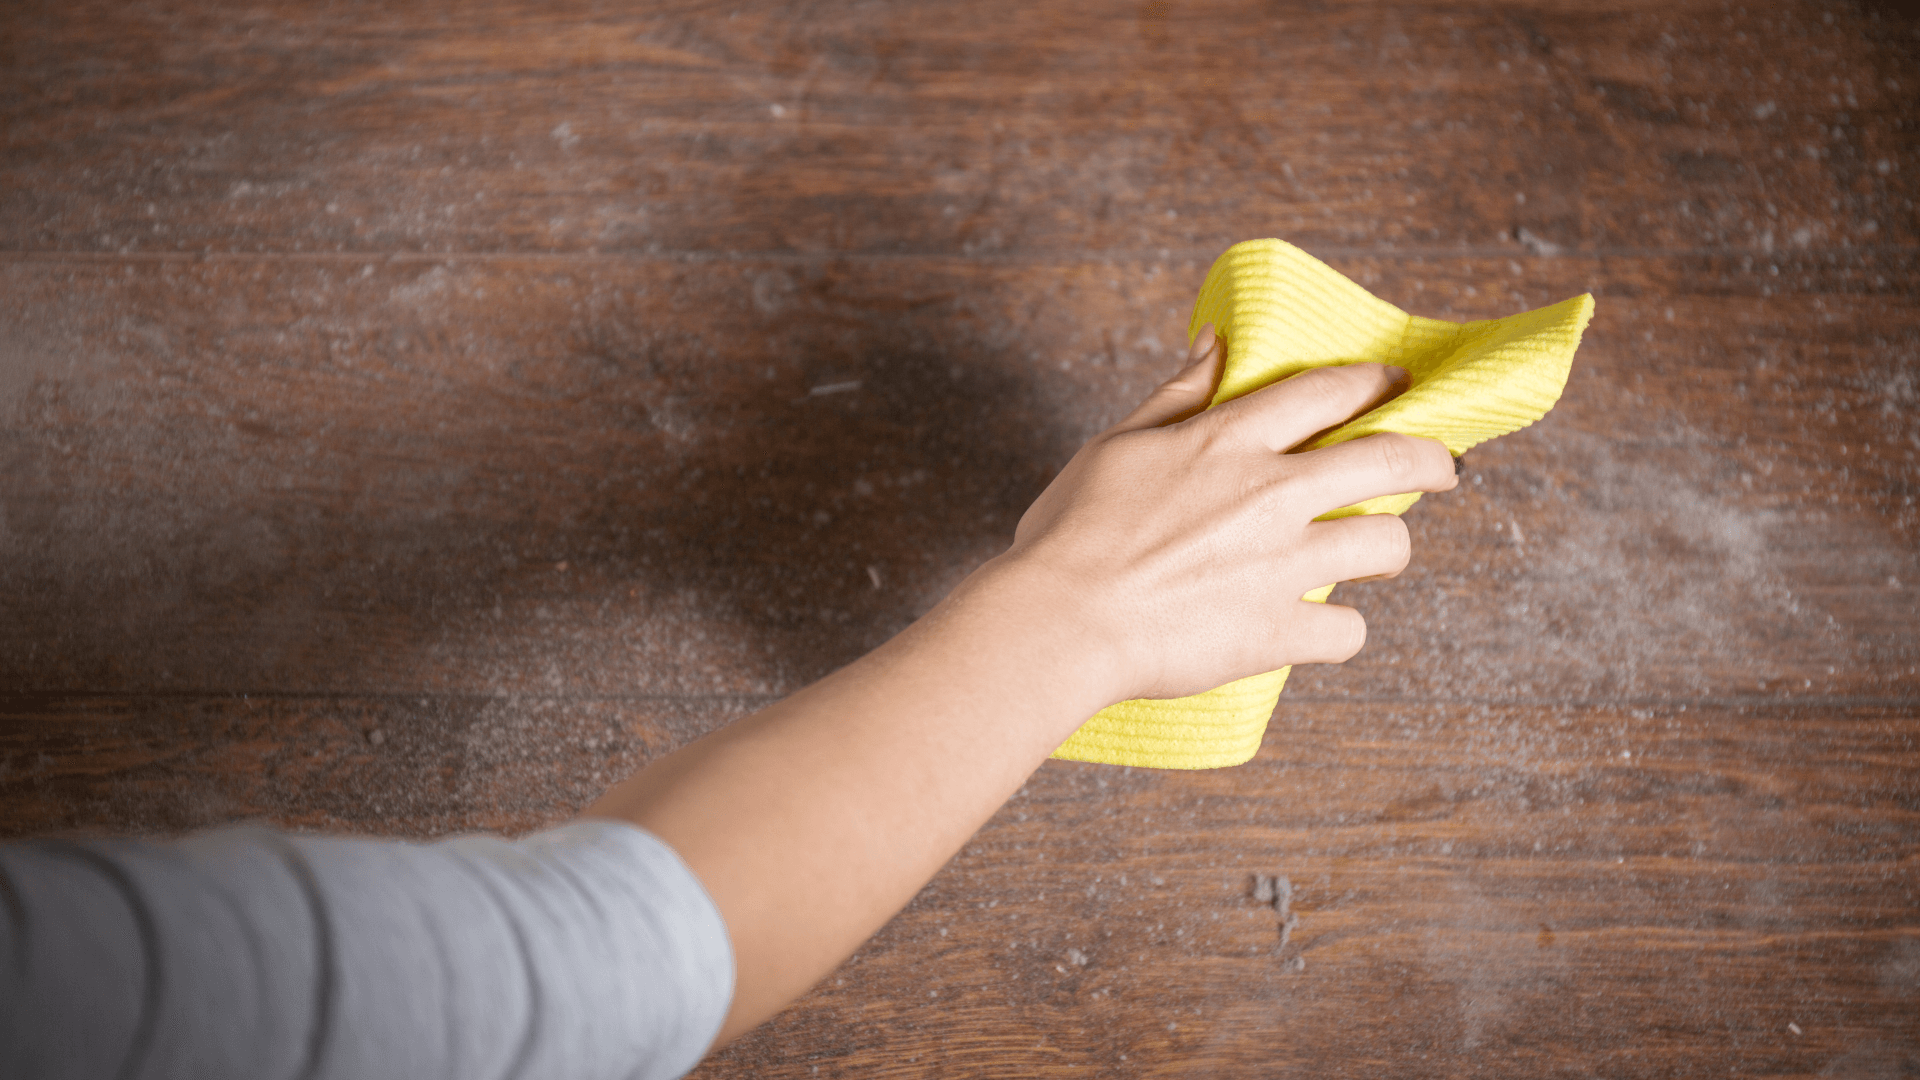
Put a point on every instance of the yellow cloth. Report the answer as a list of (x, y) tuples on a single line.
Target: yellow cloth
[(1280, 311)]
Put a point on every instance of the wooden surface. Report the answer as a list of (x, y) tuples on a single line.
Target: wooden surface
[(413, 420)]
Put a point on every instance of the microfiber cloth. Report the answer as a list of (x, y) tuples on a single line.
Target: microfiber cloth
[(1279, 311)]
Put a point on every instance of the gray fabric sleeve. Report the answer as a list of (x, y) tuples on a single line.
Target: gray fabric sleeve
[(585, 952)]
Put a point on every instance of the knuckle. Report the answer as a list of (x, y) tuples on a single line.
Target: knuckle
[(1396, 542), (1329, 386), (1399, 455), (1264, 498), (1224, 431), (1334, 635), (1222, 423), (1278, 491), (1378, 544), (1279, 484)]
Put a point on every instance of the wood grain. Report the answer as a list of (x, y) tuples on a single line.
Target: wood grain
[(518, 477), (1571, 890), (409, 423), (893, 127)]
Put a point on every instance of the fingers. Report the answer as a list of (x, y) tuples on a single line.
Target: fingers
[(1350, 472), (1358, 548), (1202, 343), (1186, 393), (1323, 634), (1293, 410)]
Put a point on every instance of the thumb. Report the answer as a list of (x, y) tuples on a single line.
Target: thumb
[(1186, 393)]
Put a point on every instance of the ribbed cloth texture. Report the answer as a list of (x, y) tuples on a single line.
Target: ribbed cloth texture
[(1279, 311)]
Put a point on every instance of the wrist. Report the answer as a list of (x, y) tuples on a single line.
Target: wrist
[(1044, 615)]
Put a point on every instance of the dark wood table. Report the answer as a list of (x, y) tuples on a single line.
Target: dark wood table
[(414, 417)]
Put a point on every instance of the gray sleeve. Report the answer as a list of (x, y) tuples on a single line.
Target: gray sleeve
[(588, 951)]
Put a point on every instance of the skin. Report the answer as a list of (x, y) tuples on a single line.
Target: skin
[(813, 821)]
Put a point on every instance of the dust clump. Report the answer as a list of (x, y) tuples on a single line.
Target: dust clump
[(1277, 892)]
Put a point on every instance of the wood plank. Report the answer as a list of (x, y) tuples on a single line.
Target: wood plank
[(1566, 890), (386, 765), (1102, 127), (619, 476), (1477, 888), (409, 424)]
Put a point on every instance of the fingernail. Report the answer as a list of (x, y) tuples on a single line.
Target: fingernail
[(1202, 344), (1399, 377)]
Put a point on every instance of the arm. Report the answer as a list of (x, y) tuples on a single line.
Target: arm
[(1168, 557), (858, 788)]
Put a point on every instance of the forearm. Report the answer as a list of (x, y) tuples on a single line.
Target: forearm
[(812, 822), (854, 791)]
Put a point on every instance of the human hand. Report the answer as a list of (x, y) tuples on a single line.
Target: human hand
[(1180, 542), (1168, 557)]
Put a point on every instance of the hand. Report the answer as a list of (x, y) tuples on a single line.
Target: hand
[(1167, 558), (1182, 540)]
